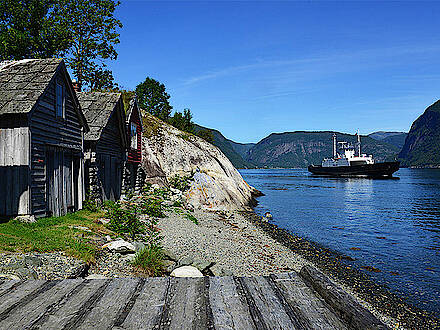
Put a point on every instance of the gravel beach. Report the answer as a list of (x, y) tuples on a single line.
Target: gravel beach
[(235, 245)]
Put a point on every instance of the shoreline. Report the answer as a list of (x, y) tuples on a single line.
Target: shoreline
[(378, 297)]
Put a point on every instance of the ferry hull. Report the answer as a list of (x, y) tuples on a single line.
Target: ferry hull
[(370, 170)]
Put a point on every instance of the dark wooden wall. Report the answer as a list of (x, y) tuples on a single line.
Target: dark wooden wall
[(110, 154), (135, 155), (50, 132)]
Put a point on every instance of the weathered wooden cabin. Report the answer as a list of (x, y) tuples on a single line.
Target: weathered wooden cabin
[(133, 175), (41, 140), (105, 144)]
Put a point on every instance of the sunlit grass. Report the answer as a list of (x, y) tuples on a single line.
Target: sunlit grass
[(54, 234)]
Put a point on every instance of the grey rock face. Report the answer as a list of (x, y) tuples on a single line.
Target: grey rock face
[(216, 184)]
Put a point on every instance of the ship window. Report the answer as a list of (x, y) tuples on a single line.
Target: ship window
[(358, 162), (133, 134)]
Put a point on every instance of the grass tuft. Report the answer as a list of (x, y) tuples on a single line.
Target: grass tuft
[(149, 260)]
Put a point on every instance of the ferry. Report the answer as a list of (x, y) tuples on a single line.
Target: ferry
[(352, 162)]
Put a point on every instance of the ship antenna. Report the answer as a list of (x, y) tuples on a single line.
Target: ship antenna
[(334, 145), (359, 143)]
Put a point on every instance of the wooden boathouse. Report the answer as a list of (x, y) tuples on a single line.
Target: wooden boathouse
[(41, 140), (134, 176), (105, 144)]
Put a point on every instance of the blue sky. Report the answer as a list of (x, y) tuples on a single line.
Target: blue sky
[(250, 68)]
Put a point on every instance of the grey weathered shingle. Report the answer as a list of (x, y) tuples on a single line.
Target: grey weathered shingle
[(23, 82), (97, 108)]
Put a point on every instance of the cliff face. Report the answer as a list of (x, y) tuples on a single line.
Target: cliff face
[(422, 145), (216, 184)]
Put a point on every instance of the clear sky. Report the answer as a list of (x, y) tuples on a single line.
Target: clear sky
[(250, 68)]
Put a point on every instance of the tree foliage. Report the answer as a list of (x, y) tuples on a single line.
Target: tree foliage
[(83, 31), (93, 30), (183, 121), (153, 98), (206, 135), (32, 29)]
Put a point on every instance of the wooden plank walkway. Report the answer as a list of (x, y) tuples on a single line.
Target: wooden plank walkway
[(305, 300)]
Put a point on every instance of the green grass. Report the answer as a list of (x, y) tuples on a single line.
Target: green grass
[(54, 234), (149, 261), (189, 216)]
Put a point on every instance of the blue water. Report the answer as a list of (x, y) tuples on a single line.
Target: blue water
[(394, 223)]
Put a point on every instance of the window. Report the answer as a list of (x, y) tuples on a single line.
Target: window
[(59, 101), (134, 140)]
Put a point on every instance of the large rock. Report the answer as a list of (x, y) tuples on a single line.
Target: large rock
[(217, 184), (120, 246), (186, 271)]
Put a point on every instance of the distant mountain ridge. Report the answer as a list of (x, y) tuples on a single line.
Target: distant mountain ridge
[(236, 152), (395, 138), (294, 149), (422, 145)]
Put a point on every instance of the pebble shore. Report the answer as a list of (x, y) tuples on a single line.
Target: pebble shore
[(227, 243)]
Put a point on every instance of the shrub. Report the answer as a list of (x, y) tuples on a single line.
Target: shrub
[(90, 204), (153, 207), (179, 182), (123, 221), (149, 260)]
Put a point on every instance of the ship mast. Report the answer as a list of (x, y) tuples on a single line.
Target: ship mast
[(335, 143), (359, 144)]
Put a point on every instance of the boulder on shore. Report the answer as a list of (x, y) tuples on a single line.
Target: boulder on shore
[(120, 246), (216, 184), (186, 271)]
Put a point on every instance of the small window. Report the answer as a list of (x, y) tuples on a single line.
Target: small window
[(59, 101), (134, 140)]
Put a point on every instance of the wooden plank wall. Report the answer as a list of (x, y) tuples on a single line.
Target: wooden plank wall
[(111, 154), (14, 171), (47, 129)]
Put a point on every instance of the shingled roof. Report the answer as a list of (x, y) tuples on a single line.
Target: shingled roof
[(23, 82), (97, 108)]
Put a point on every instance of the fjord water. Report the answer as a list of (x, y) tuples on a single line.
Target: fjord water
[(394, 223)]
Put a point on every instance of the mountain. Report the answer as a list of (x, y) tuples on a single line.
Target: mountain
[(395, 138), (300, 149), (236, 152), (422, 145)]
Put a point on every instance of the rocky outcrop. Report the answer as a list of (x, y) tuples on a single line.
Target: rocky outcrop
[(216, 184), (422, 145)]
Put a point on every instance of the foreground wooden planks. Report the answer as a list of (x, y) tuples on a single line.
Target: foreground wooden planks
[(281, 301), (310, 309)]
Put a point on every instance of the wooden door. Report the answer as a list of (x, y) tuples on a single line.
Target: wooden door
[(67, 182), (59, 182)]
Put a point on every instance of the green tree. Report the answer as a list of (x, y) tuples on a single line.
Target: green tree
[(183, 121), (152, 97), (206, 135), (93, 29), (32, 29), (83, 31)]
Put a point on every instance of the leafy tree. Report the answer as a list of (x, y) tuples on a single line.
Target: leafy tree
[(183, 121), (83, 31), (93, 29), (32, 29), (152, 97), (206, 135)]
